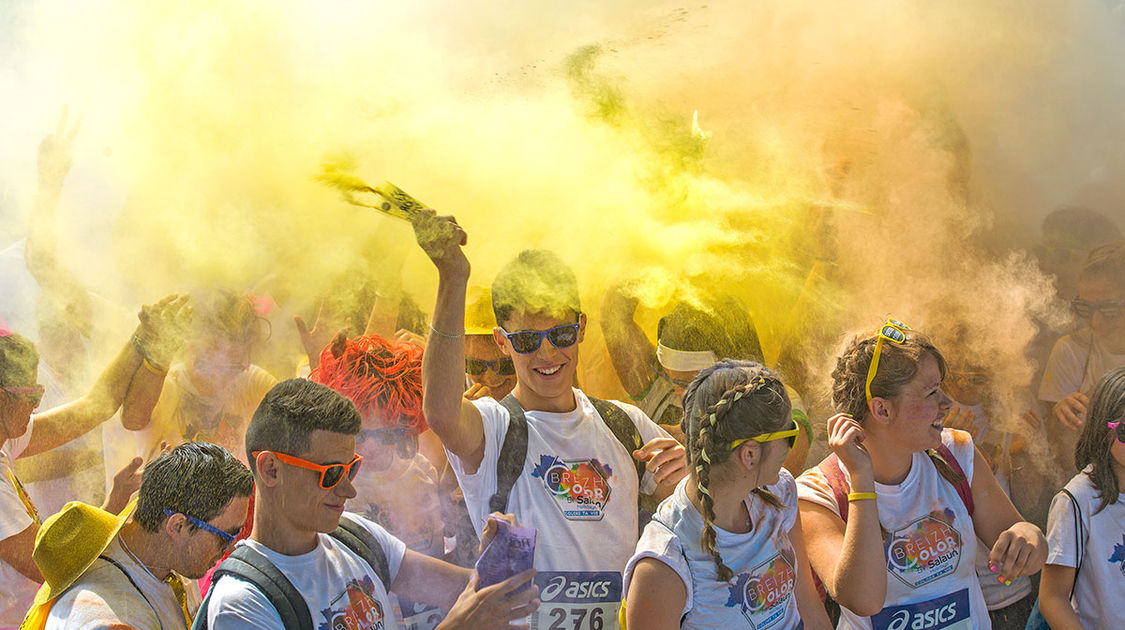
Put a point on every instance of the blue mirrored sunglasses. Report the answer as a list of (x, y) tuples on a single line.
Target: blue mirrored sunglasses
[(224, 536), (528, 341)]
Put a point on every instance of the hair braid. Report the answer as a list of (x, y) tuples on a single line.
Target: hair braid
[(703, 474), (717, 426)]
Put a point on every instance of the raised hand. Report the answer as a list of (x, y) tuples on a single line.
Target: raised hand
[(845, 438), (323, 330), (127, 481), (163, 329), (55, 151), (441, 238), (665, 458)]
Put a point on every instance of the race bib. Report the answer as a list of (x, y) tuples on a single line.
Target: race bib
[(577, 600), (580, 488), (764, 593), (924, 551), (948, 611)]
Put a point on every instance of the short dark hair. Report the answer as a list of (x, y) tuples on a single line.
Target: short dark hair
[(198, 479), (535, 281), (291, 411), (18, 359)]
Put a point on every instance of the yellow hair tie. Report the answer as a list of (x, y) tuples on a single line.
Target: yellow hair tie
[(703, 456)]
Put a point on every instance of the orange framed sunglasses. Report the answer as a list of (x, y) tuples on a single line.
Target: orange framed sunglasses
[(330, 474)]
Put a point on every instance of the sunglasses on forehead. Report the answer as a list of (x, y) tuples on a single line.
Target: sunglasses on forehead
[(1108, 310), (32, 393), (528, 341), (894, 332), (1118, 430), (330, 474), (502, 366)]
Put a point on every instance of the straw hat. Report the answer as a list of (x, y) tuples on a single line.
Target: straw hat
[(479, 318), (69, 542)]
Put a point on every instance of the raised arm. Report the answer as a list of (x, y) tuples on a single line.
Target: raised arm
[(160, 335), (632, 354), (848, 557), (57, 426), (59, 284), (455, 420)]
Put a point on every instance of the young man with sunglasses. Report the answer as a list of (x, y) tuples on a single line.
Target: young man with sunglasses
[(106, 571), (301, 446), (1080, 359), (487, 370), (570, 476)]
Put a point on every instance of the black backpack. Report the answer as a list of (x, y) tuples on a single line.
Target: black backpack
[(513, 453), (251, 566)]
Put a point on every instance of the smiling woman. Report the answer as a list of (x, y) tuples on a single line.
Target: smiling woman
[(896, 472)]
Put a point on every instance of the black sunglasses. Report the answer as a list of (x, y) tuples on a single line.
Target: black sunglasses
[(528, 341), (1085, 310), (502, 366)]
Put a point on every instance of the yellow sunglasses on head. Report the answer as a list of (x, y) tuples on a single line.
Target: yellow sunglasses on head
[(893, 331), (791, 434)]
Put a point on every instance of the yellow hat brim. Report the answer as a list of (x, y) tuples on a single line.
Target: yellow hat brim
[(48, 592)]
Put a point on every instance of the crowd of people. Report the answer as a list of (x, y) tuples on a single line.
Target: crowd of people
[(359, 491)]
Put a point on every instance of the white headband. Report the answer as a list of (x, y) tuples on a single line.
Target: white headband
[(683, 361)]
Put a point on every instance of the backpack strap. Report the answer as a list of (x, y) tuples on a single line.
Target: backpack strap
[(360, 541), (623, 428), (830, 469), (513, 455), (1079, 540), (251, 566), (964, 490)]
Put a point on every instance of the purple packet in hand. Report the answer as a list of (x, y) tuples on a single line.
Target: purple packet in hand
[(510, 552)]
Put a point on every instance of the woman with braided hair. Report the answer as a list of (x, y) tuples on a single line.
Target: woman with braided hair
[(893, 515), (726, 550)]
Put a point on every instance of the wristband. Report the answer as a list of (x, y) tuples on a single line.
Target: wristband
[(153, 368), (446, 335), (860, 496)]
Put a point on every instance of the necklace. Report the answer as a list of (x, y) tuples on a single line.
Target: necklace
[(133, 556)]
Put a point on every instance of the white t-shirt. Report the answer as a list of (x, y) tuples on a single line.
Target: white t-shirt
[(18, 591), (762, 593), (339, 587), (1076, 364), (104, 596), (930, 545), (1100, 588), (405, 500), (579, 489), (988, 437)]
